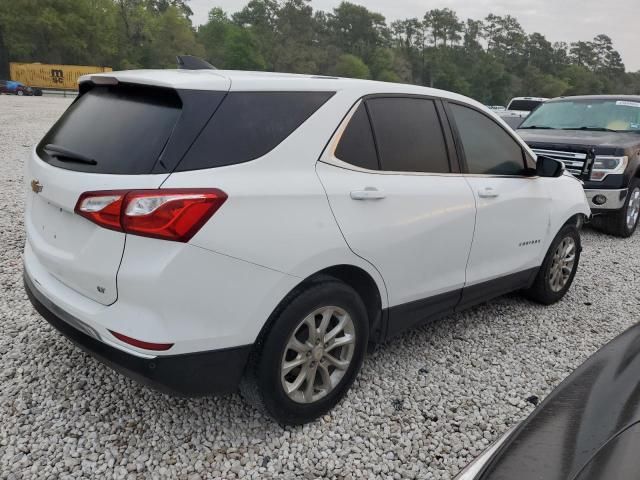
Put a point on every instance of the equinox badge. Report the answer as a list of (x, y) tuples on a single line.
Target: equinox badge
[(36, 186)]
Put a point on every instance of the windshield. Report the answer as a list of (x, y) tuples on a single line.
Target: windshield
[(614, 115), (524, 105)]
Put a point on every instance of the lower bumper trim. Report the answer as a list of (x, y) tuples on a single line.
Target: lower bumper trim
[(190, 375), (614, 198)]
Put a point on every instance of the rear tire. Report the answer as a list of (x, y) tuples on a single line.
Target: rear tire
[(300, 335), (624, 222), (558, 268)]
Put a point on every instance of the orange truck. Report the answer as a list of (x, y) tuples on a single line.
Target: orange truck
[(51, 76)]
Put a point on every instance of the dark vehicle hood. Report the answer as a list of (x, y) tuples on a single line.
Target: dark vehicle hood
[(559, 138), (618, 459), (592, 410)]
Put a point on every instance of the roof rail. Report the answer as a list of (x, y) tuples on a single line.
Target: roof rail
[(189, 62)]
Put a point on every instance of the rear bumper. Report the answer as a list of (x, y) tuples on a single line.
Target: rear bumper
[(189, 374)]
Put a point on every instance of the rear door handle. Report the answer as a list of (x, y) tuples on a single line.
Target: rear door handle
[(488, 192), (369, 193)]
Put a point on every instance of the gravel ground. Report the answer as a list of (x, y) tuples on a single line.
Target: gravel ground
[(423, 406)]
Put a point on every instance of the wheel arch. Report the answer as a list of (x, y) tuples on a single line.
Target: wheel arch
[(577, 219), (364, 284), (372, 294)]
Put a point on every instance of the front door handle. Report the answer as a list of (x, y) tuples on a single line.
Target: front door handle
[(369, 193), (488, 192)]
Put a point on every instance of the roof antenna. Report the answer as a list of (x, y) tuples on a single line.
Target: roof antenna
[(189, 62)]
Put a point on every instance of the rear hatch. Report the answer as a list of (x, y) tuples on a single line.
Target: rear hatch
[(114, 136)]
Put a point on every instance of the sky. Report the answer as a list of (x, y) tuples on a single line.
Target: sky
[(558, 20)]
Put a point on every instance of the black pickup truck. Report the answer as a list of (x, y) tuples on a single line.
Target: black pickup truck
[(598, 139)]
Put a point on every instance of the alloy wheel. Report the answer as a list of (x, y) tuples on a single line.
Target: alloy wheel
[(318, 354), (633, 208), (562, 264)]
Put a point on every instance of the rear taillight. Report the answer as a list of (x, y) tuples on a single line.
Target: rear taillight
[(102, 208), (168, 214)]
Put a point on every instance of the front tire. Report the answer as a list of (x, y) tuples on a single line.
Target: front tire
[(558, 268), (307, 360), (624, 222)]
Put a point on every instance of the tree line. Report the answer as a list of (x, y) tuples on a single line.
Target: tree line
[(490, 59)]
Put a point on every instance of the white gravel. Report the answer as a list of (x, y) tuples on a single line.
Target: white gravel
[(423, 406)]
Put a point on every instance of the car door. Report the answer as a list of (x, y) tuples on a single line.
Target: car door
[(513, 208), (394, 187)]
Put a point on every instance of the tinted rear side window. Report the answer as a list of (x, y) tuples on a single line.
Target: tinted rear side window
[(488, 148), (356, 145), (409, 135), (524, 105), (123, 129), (247, 125)]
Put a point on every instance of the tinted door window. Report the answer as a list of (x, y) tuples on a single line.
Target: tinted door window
[(488, 148), (247, 125), (409, 135), (356, 145)]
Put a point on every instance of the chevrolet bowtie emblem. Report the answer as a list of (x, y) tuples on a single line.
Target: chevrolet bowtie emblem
[(36, 186)]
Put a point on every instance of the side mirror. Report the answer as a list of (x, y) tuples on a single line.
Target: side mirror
[(549, 167)]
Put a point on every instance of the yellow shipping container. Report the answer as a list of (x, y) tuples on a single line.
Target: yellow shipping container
[(45, 75)]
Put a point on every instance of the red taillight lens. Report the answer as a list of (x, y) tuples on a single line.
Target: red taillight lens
[(168, 214), (141, 343), (102, 208)]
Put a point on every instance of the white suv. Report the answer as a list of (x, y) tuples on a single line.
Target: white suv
[(200, 230)]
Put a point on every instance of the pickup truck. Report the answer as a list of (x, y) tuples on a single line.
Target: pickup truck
[(518, 109), (597, 138)]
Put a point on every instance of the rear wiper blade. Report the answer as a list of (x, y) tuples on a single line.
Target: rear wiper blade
[(537, 127), (66, 155), (592, 129)]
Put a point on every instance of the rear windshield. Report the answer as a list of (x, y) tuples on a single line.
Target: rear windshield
[(247, 125), (524, 105), (116, 130)]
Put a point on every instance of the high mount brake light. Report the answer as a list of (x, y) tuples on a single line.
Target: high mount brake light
[(168, 214)]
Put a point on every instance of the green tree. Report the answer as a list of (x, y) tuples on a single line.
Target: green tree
[(350, 66), (213, 36), (581, 81), (444, 26), (260, 17), (505, 38), (537, 83), (228, 45), (583, 54), (539, 52), (242, 52), (358, 31), (608, 59), (168, 34), (472, 31), (295, 50), (490, 59), (59, 30)]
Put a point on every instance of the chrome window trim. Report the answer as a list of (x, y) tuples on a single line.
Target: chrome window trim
[(328, 156)]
